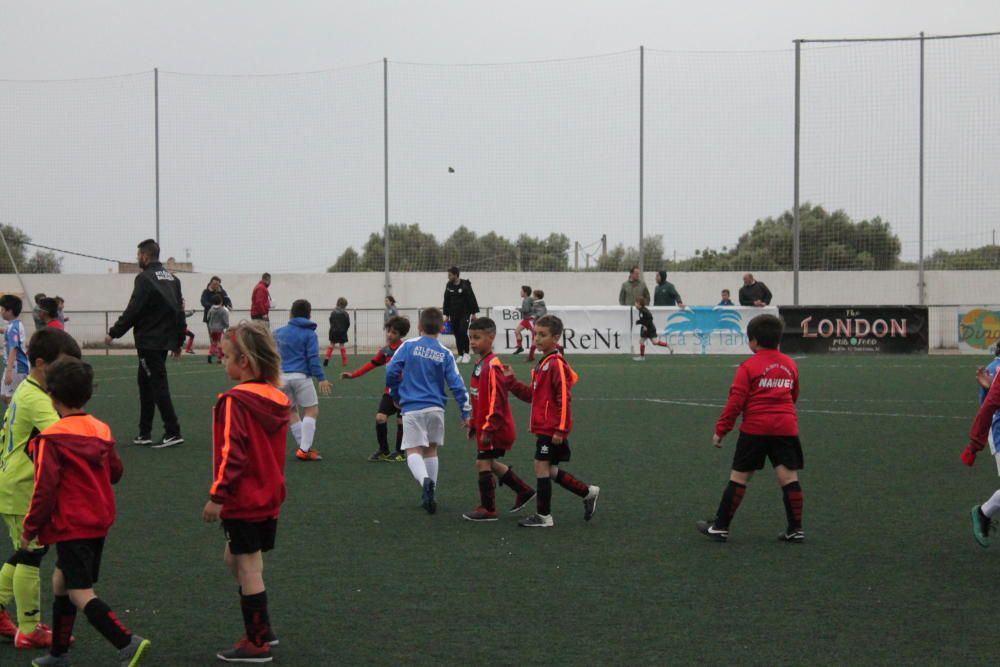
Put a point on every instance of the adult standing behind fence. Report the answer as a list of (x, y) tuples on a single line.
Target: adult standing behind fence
[(753, 292), (208, 297), (665, 293), (459, 306), (633, 288), (156, 316), (260, 300)]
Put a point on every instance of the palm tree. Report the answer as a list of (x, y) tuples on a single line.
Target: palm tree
[(703, 322)]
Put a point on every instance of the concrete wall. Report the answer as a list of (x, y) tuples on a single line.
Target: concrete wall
[(413, 290)]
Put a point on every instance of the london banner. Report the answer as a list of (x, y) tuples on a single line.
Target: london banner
[(612, 329), (854, 329)]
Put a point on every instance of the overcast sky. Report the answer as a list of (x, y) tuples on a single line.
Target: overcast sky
[(295, 163)]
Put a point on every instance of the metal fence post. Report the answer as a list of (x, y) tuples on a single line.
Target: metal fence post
[(796, 231), (920, 208), (107, 326), (642, 140), (156, 143), (385, 169)]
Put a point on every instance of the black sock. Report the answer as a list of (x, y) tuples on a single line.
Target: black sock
[(63, 617), (382, 435), (512, 481), (104, 621), (488, 491), (255, 617), (792, 495), (572, 484), (731, 499), (544, 497), (399, 436)]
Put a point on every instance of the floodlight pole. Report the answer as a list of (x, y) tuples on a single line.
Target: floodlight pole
[(796, 250), (642, 144), (921, 296), (385, 170), (156, 144)]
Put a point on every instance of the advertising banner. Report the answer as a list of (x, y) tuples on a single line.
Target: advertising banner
[(612, 329), (854, 329), (978, 328)]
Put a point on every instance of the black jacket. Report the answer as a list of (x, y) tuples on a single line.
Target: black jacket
[(154, 311), (207, 303), (459, 300), (756, 292)]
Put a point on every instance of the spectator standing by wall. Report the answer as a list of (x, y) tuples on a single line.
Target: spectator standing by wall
[(459, 306), (260, 300), (753, 292), (665, 293), (213, 288), (633, 288)]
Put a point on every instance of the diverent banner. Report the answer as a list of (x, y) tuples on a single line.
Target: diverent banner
[(978, 328), (612, 329), (854, 329)]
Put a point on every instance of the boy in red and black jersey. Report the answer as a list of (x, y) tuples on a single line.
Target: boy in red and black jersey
[(549, 393), (73, 507), (765, 390), (492, 425), (396, 329)]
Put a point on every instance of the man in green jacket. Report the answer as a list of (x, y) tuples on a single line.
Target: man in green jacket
[(666, 294), (632, 288)]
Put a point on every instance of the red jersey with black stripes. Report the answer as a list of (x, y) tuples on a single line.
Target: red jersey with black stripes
[(248, 451), (550, 395), (764, 390), (490, 405)]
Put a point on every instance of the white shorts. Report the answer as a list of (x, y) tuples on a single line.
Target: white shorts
[(423, 428), (299, 389), (7, 390)]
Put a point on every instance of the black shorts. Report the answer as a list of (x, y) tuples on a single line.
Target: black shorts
[(546, 451), (247, 537), (80, 562), (648, 332), (386, 406), (752, 450), (490, 454), (338, 337)]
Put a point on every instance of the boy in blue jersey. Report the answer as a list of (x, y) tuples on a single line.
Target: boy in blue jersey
[(15, 346), (982, 515), (299, 348), (416, 378)]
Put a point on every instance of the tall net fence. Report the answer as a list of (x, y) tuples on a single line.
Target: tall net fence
[(520, 167)]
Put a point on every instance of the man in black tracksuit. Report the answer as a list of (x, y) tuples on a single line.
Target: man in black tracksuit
[(155, 313), (459, 305)]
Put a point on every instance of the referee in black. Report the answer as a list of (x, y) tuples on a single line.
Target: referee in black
[(155, 313)]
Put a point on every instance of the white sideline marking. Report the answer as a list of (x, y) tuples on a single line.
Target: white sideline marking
[(850, 413)]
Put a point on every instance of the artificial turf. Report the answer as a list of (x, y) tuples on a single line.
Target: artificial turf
[(889, 572)]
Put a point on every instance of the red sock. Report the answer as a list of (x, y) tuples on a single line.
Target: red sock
[(660, 343), (642, 349), (531, 353), (517, 337), (329, 352), (343, 355), (570, 483)]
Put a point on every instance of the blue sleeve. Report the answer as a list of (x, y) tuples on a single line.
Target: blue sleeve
[(457, 386), (394, 371), (312, 354)]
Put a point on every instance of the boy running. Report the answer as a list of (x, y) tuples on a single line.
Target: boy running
[(551, 420), (340, 324), (416, 378), (14, 345), (647, 330), (526, 322), (73, 507), (299, 348), (492, 425), (30, 413), (248, 460), (395, 330), (765, 390)]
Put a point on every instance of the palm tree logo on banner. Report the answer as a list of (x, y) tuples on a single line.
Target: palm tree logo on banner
[(703, 322)]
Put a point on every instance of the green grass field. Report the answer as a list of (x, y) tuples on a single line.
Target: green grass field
[(362, 576)]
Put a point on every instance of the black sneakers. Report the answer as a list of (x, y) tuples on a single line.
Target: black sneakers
[(427, 499), (168, 441), (793, 536), (708, 529), (142, 440)]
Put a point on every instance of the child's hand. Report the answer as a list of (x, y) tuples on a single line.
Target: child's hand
[(507, 371), (25, 543), (325, 388), (717, 440), (486, 438), (211, 512), (8, 376), (969, 456), (346, 376), (557, 439)]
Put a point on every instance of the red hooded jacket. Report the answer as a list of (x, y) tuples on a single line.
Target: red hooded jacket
[(765, 390), (248, 451), (75, 466), (490, 405), (549, 394)]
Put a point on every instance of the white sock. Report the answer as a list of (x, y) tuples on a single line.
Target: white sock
[(432, 468), (417, 468), (992, 506), (297, 433), (308, 433)]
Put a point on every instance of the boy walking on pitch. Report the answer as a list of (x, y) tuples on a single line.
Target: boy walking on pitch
[(416, 378), (299, 350), (395, 330), (988, 430), (340, 324), (764, 390), (30, 413), (248, 460), (492, 425), (551, 420), (14, 345), (73, 507)]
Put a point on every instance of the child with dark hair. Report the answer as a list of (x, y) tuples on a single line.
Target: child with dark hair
[(50, 313), (340, 324), (30, 413), (764, 390), (647, 329), (217, 319), (395, 331), (299, 348), (391, 310), (492, 425), (526, 323), (72, 508), (538, 310), (14, 345)]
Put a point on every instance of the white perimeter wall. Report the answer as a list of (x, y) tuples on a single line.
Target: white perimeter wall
[(945, 289)]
